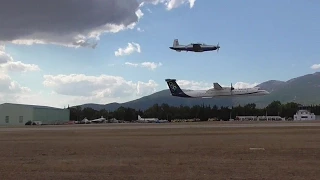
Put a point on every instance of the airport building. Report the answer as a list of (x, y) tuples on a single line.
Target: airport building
[(259, 118), (304, 115), (19, 114)]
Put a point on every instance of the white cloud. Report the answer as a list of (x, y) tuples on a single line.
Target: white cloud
[(170, 4), (139, 13), (7, 64), (139, 29), (148, 65), (131, 48), (315, 66), (18, 66), (151, 65), (194, 85), (2, 47), (102, 88), (241, 85), (131, 64), (8, 86), (11, 90)]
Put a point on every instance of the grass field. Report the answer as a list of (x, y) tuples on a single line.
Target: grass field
[(163, 153)]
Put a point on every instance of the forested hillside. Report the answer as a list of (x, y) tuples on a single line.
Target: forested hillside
[(185, 112)]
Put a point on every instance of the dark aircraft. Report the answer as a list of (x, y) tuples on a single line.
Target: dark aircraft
[(195, 47)]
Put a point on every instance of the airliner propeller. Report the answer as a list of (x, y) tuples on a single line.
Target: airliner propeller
[(231, 89)]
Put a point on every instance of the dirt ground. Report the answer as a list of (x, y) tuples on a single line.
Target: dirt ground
[(184, 153)]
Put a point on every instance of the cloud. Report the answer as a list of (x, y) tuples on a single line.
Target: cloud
[(8, 86), (139, 29), (7, 64), (2, 47), (71, 23), (131, 48), (139, 13), (196, 85), (10, 90), (149, 65), (242, 85), (170, 4), (98, 87), (315, 66), (131, 64), (65, 22)]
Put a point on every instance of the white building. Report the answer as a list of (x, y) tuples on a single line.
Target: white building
[(259, 118), (304, 115), (19, 114)]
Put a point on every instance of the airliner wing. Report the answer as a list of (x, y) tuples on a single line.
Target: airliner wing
[(217, 86)]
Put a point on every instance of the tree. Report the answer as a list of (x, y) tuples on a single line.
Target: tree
[(164, 111)]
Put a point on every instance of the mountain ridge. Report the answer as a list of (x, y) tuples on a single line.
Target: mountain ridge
[(304, 89)]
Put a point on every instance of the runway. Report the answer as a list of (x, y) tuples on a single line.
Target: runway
[(193, 150), (161, 126)]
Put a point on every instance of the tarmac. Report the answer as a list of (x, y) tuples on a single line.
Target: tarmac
[(241, 124)]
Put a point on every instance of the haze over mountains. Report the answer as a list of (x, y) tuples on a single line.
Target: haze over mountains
[(304, 90)]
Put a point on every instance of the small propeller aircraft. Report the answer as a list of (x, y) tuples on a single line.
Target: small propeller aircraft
[(195, 47)]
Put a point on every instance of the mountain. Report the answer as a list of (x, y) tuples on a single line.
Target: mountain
[(304, 90)]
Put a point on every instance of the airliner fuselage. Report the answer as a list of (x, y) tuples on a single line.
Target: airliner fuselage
[(225, 92), (217, 91)]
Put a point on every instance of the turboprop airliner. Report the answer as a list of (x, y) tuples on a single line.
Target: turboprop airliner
[(195, 47), (216, 91)]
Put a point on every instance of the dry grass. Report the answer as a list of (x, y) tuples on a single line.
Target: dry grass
[(191, 153)]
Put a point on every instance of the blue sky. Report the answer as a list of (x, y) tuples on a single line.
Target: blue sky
[(260, 41)]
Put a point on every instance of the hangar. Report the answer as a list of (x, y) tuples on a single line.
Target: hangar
[(19, 114)]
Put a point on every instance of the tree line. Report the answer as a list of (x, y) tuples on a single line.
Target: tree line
[(203, 112)]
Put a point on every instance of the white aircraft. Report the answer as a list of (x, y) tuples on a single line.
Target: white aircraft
[(146, 120), (216, 91), (150, 120), (99, 120), (195, 47)]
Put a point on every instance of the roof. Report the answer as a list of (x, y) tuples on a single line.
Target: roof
[(33, 106)]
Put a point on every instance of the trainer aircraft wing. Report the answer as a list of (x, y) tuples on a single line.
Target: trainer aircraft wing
[(217, 86)]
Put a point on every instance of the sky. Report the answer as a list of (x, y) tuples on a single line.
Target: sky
[(66, 52)]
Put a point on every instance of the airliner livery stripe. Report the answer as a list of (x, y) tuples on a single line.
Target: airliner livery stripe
[(186, 95), (240, 94)]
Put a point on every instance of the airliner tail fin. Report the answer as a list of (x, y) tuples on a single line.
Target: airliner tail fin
[(174, 87)]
